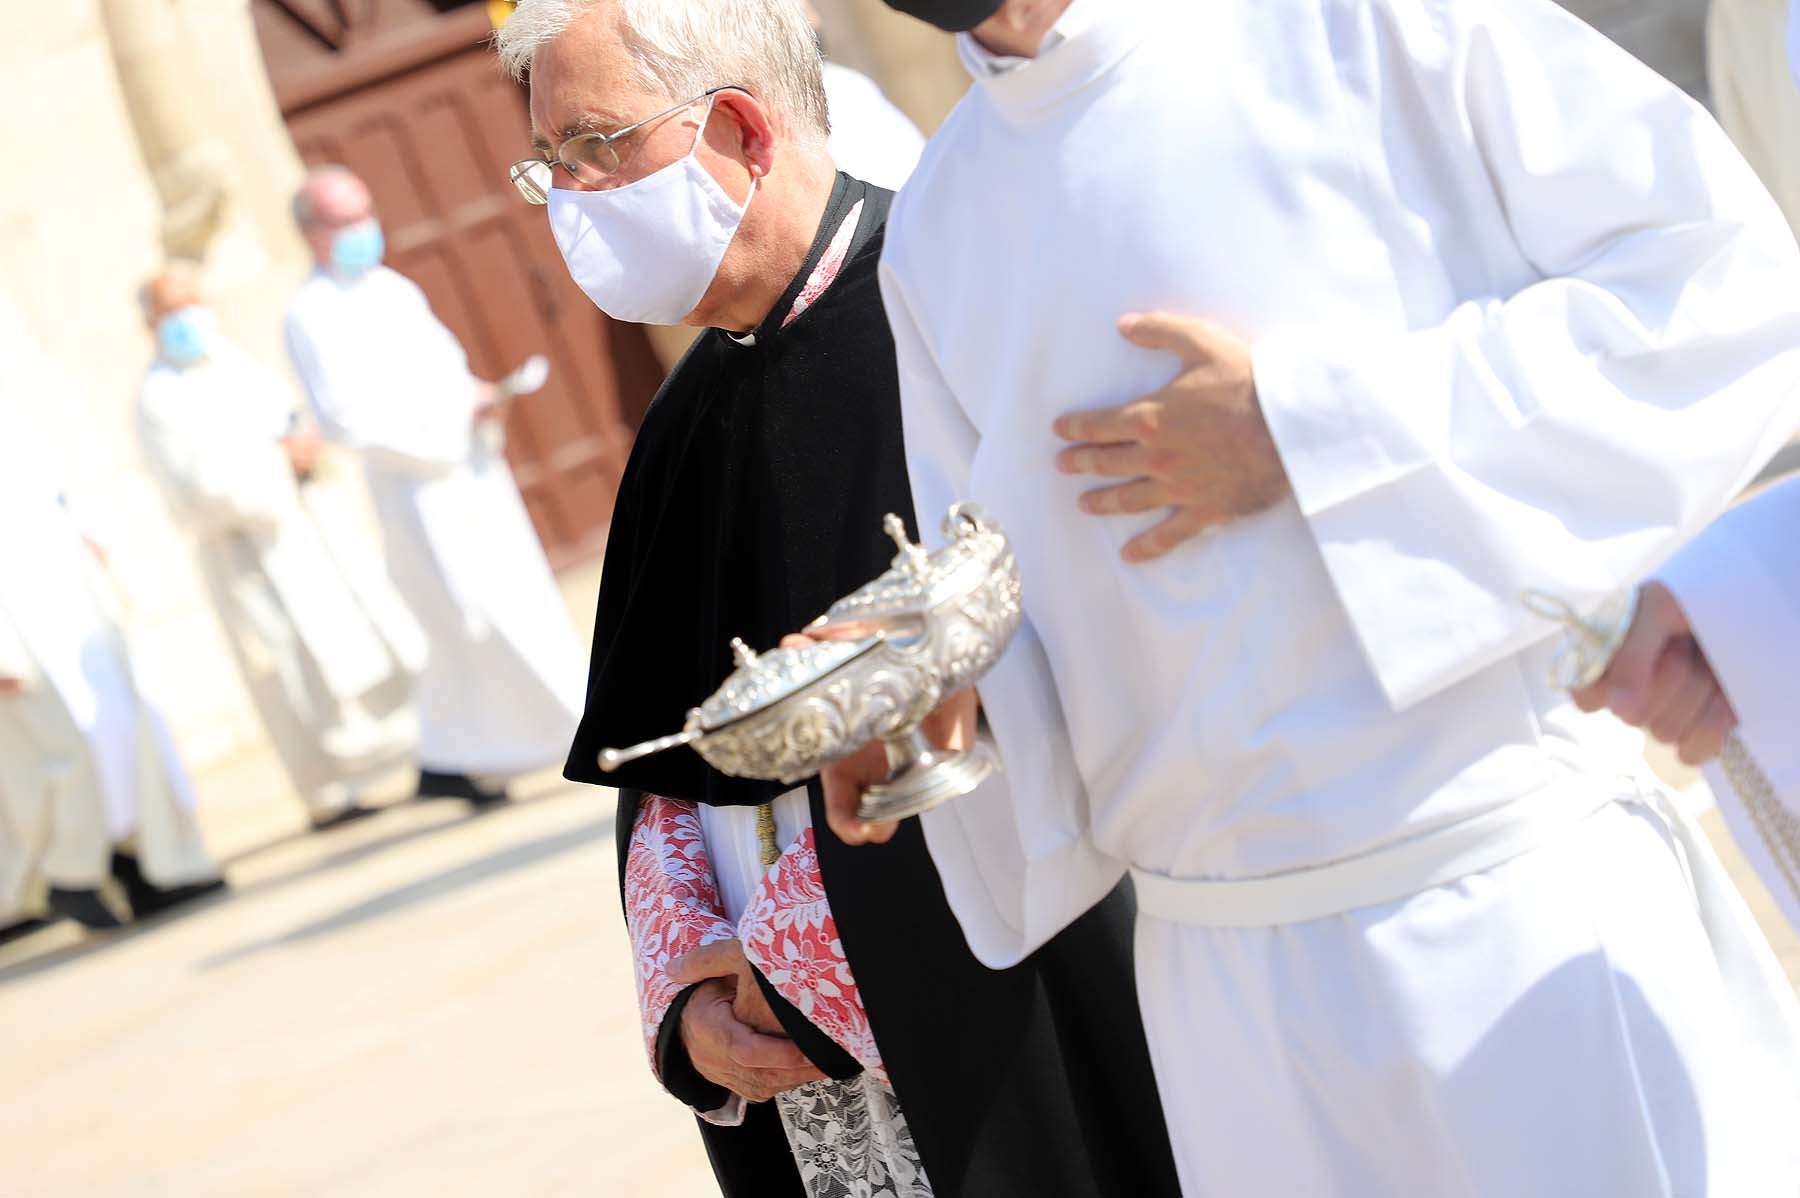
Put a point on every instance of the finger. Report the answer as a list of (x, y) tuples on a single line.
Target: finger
[(1590, 698), (879, 831), (797, 640), (1633, 667), (845, 782), (763, 1084), (779, 1081), (952, 725), (1140, 495), (1097, 426), (1706, 738), (1189, 337), (1183, 525), (754, 1012), (754, 1050), (1109, 461), (720, 959), (1680, 693)]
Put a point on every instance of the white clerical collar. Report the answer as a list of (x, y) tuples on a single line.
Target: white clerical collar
[(1086, 41)]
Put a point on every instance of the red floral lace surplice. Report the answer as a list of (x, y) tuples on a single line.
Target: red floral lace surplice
[(671, 903), (789, 935), (672, 907)]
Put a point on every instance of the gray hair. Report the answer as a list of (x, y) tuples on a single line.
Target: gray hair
[(685, 47)]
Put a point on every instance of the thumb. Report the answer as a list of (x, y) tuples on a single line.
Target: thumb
[(720, 959), (1187, 337), (844, 783), (1658, 621)]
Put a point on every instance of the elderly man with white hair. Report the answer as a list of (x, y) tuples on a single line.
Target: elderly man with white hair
[(501, 688), (685, 166), (220, 435)]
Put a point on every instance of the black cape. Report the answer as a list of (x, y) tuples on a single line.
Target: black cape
[(753, 499)]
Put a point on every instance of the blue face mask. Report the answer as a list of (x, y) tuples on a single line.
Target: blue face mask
[(187, 335), (357, 249)]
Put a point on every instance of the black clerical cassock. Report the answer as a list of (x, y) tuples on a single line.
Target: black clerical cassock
[(752, 500)]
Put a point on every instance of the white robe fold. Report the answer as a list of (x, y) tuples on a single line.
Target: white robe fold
[(332, 692), (502, 688), (1521, 318)]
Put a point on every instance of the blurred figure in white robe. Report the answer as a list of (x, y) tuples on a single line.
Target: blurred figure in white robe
[(1754, 94), (96, 812), (871, 139), (220, 434), (503, 683)]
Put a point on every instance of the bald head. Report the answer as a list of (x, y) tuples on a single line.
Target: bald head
[(330, 198), (175, 288)]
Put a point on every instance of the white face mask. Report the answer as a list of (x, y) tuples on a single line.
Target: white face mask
[(646, 252)]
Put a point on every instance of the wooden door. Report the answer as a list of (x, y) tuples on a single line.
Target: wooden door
[(407, 94)]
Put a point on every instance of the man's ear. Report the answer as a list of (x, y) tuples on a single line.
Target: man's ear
[(755, 129)]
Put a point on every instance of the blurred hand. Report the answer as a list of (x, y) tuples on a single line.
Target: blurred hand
[(725, 960), (1198, 447), (11, 686), (1660, 680), (490, 403), (302, 449), (951, 726), (729, 1053)]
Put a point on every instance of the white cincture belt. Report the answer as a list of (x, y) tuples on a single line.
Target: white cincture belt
[(1386, 874)]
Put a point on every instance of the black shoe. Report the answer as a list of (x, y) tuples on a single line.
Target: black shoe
[(21, 929), (162, 900), (146, 897), (85, 907), (343, 815), (434, 784)]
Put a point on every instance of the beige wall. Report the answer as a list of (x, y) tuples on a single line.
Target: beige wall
[(81, 225), (915, 64)]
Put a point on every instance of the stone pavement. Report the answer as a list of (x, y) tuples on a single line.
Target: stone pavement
[(418, 1003), (422, 1002)]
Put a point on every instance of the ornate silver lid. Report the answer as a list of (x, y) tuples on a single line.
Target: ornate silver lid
[(883, 659), (763, 680), (918, 582)]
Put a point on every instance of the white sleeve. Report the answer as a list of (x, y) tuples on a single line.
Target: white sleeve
[(1739, 583), (1567, 436), (390, 430), (220, 486), (1015, 856)]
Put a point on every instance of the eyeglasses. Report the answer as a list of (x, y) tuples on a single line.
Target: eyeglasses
[(591, 158)]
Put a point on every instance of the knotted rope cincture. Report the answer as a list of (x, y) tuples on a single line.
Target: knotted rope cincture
[(1588, 647)]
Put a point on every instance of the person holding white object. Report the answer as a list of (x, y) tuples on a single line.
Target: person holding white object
[(502, 687)]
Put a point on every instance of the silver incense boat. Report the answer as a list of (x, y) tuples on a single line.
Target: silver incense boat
[(882, 659)]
